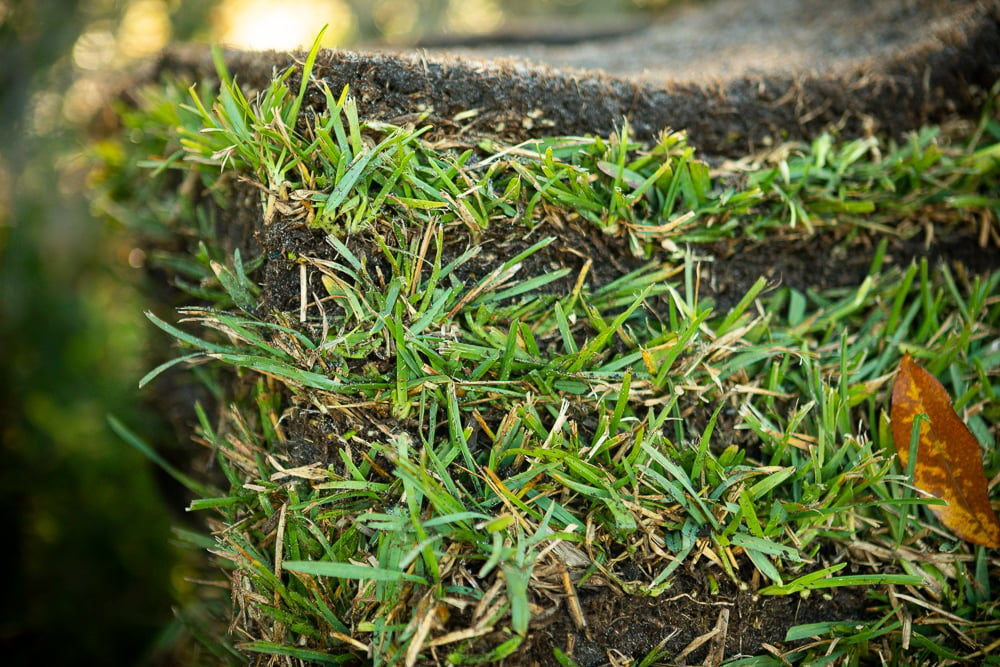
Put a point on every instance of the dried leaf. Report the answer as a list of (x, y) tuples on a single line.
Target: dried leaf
[(949, 460)]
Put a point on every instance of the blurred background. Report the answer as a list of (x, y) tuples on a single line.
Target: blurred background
[(96, 574)]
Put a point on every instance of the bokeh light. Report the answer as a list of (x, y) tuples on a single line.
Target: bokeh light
[(95, 49), (145, 28), (395, 18), (474, 16)]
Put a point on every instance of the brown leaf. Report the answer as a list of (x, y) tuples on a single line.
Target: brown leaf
[(949, 460)]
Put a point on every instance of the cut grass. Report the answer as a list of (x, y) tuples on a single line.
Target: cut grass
[(490, 435)]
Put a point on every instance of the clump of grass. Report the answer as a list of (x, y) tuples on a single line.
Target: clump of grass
[(493, 438)]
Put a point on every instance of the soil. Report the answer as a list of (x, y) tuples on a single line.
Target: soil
[(914, 62), (622, 627)]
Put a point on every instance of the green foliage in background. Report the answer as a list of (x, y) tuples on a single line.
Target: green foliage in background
[(86, 531)]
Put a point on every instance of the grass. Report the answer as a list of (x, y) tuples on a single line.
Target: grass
[(492, 429)]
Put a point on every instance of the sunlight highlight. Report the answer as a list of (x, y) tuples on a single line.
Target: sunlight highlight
[(265, 24)]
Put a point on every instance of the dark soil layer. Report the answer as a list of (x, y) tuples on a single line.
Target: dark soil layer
[(621, 626), (918, 79)]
